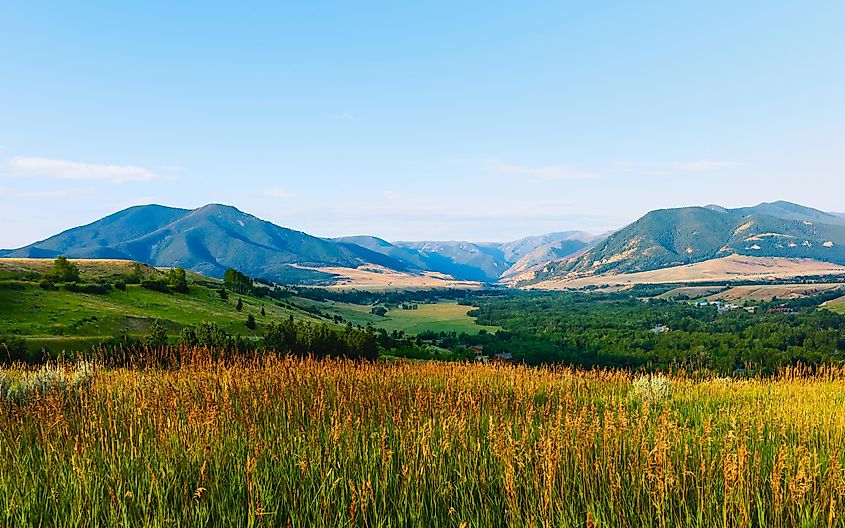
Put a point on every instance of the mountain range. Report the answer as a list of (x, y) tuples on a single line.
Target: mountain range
[(216, 237), (676, 237)]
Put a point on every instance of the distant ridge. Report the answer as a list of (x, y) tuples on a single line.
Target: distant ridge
[(215, 237), (677, 237)]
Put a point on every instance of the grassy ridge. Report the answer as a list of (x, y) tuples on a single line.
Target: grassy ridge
[(278, 442)]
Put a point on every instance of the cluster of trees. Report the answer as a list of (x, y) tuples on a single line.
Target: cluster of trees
[(302, 338), (615, 330), (174, 281)]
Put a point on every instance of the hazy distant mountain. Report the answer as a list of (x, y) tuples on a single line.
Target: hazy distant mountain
[(673, 237), (489, 261), (207, 240)]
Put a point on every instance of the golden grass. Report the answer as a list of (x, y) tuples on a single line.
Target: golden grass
[(373, 278), (730, 268), (287, 442)]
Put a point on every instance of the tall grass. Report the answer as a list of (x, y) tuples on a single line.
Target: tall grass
[(295, 442)]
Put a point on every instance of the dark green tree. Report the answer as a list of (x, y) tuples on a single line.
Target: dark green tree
[(250, 322), (156, 335), (177, 280), (263, 313), (240, 305), (64, 270), (224, 295)]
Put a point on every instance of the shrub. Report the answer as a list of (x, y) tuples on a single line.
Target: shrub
[(178, 282), (651, 389), (46, 284), (188, 337), (12, 349), (158, 285), (88, 288), (48, 379), (120, 285), (157, 335), (250, 322), (64, 270)]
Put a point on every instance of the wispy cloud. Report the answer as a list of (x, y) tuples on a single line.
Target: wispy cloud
[(277, 192), (344, 116), (547, 172), (30, 167)]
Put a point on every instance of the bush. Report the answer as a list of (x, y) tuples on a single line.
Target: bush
[(45, 381), (46, 284), (64, 270), (158, 285), (178, 282), (12, 349), (156, 336), (120, 285), (250, 322), (88, 288)]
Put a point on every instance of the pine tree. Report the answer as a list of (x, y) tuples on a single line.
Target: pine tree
[(240, 305), (263, 313), (250, 322)]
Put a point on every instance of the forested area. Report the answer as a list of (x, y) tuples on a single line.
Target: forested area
[(617, 330)]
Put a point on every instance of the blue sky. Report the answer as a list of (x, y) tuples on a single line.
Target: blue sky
[(439, 120)]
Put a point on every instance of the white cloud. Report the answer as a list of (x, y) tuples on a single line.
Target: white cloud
[(344, 116), (548, 172), (31, 167), (277, 192)]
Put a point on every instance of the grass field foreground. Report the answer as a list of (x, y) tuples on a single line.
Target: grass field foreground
[(297, 442)]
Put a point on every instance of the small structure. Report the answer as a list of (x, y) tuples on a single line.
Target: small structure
[(503, 357), (660, 329)]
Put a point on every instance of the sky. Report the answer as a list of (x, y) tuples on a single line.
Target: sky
[(483, 121)]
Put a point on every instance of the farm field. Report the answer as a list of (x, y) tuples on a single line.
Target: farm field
[(298, 442), (836, 305), (444, 316), (768, 292)]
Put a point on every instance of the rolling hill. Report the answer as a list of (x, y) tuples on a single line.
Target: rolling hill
[(677, 237)]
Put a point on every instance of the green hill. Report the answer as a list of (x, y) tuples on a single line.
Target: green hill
[(673, 237)]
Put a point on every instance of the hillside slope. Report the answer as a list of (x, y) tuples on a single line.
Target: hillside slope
[(207, 240), (677, 237)]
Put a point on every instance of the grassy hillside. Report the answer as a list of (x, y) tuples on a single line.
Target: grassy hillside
[(58, 319), (676, 237)]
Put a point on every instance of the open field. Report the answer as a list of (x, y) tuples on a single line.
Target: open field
[(767, 292), (837, 305), (287, 442), (374, 278), (731, 268), (445, 316), (693, 292)]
